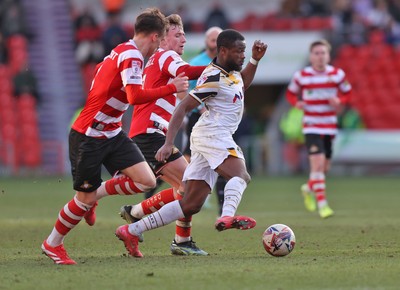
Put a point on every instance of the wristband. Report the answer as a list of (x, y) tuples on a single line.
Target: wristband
[(253, 61)]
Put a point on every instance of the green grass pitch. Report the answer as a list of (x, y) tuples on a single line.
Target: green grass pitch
[(358, 248)]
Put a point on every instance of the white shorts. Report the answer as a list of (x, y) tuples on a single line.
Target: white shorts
[(207, 154)]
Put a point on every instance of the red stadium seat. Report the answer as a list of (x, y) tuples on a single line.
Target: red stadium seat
[(17, 41)]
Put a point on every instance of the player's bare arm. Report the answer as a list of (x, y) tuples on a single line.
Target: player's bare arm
[(184, 107), (257, 52)]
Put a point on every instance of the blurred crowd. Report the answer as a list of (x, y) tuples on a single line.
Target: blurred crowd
[(14, 60)]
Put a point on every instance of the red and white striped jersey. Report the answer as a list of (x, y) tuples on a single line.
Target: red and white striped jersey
[(107, 101), (162, 67), (315, 88)]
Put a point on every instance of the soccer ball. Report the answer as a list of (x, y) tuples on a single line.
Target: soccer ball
[(278, 240)]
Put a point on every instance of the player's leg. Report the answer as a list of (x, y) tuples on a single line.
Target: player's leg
[(171, 172), (183, 243), (85, 183), (317, 158), (154, 190), (219, 189), (313, 145), (195, 195), (234, 170), (324, 209), (133, 173), (199, 178)]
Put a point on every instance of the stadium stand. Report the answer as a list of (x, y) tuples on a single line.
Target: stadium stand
[(365, 36)]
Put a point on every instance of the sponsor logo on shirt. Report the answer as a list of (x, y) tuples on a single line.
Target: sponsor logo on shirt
[(136, 67)]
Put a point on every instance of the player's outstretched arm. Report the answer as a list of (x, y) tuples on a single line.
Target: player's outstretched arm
[(183, 108), (137, 95), (257, 52)]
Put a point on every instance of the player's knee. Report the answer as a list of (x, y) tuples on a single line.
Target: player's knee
[(190, 209), (149, 184), (246, 177)]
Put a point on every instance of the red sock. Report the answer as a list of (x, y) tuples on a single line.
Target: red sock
[(317, 185), (70, 215), (121, 185), (155, 202), (183, 228)]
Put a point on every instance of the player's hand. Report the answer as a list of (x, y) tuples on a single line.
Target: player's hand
[(181, 82), (335, 103), (164, 152), (300, 105), (258, 50)]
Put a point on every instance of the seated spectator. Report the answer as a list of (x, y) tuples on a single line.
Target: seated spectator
[(88, 34), (114, 33), (12, 20), (25, 82), (217, 17), (3, 49), (113, 6)]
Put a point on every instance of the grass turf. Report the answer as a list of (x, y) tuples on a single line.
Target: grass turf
[(358, 248)]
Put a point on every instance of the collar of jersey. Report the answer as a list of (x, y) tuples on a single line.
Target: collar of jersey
[(214, 63)]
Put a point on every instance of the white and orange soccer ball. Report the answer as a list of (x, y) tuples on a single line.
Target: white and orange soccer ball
[(278, 240)]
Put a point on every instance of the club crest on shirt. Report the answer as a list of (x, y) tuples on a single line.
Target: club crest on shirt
[(86, 185)]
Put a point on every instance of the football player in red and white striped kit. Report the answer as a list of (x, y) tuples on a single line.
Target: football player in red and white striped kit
[(148, 127), (319, 90), (96, 137)]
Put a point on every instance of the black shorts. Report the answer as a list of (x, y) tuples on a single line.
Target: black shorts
[(317, 143), (88, 154), (149, 145), (192, 120)]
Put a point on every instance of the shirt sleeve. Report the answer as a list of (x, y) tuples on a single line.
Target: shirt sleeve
[(207, 87), (131, 65)]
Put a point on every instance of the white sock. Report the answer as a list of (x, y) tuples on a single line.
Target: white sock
[(167, 214), (137, 211), (55, 238), (233, 192), (101, 191)]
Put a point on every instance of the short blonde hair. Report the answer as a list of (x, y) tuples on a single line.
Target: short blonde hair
[(320, 42), (174, 19)]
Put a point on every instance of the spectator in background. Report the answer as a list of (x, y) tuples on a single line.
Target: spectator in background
[(3, 49), (290, 9), (293, 146), (349, 23), (183, 12), (315, 8), (394, 9), (379, 17), (25, 83), (113, 6), (11, 18), (114, 33), (87, 35), (217, 17)]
